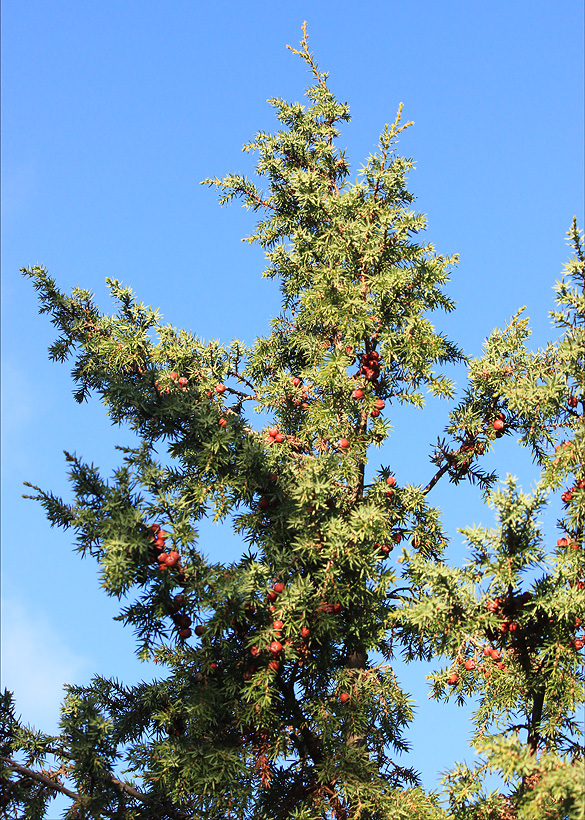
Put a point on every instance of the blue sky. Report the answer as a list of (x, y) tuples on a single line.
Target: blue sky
[(112, 114)]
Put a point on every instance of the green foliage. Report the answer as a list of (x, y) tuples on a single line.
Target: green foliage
[(278, 695)]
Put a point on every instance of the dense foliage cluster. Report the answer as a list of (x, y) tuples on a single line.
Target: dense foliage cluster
[(278, 695)]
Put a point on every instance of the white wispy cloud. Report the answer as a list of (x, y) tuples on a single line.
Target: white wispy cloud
[(36, 663)]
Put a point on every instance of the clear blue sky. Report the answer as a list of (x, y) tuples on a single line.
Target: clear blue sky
[(112, 114)]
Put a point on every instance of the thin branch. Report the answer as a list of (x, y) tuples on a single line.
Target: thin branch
[(435, 478), (42, 778), (119, 785)]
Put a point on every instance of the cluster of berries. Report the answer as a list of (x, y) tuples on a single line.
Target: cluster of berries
[(274, 435), (300, 397), (180, 619), (565, 542), (166, 560), (470, 664), (330, 609), (379, 404), (567, 496), (370, 366), (277, 589), (391, 482), (275, 647), (507, 607), (386, 549), (181, 381), (220, 390)]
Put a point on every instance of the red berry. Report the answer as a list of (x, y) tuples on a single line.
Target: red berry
[(496, 654), (255, 651), (279, 438), (343, 444), (572, 401), (469, 665), (344, 697), (391, 481), (487, 651), (296, 381), (174, 376), (199, 630), (172, 559), (275, 647), (220, 388), (277, 625), (213, 665), (275, 665), (579, 643), (348, 349), (501, 665), (513, 626), (389, 493), (374, 414), (567, 496), (155, 528), (305, 632), (278, 587), (185, 633), (264, 503), (183, 381), (222, 422), (498, 424), (179, 599), (380, 404), (272, 595), (358, 393), (273, 431), (453, 678), (562, 542)]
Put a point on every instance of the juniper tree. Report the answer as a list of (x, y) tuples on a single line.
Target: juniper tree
[(278, 694)]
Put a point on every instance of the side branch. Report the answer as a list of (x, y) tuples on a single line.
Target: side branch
[(119, 785), (436, 477), (44, 779)]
